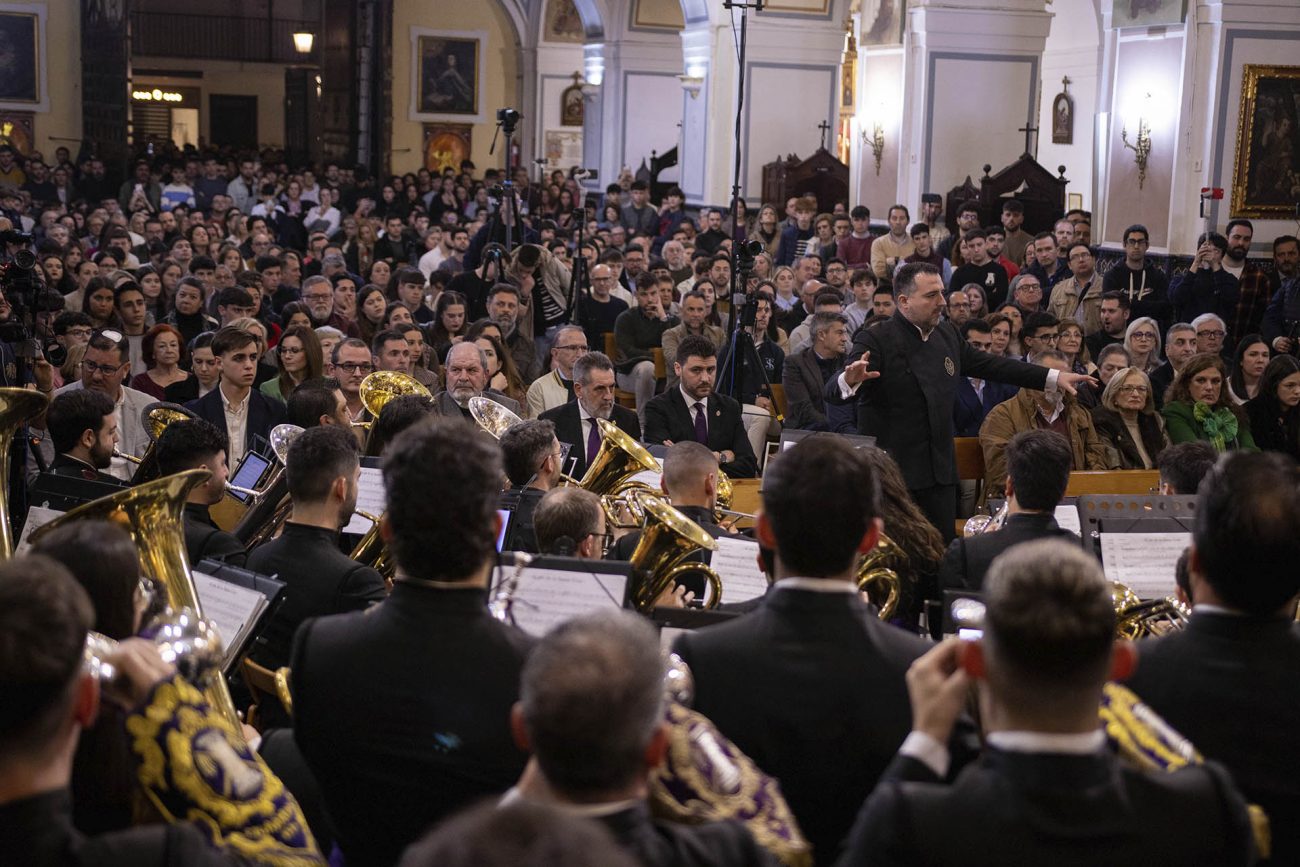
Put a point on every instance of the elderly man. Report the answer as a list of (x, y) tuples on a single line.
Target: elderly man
[(1027, 293), (1210, 333), (598, 310), (806, 373), (556, 388), (694, 312), (575, 421), (790, 320), (467, 377), (1034, 409)]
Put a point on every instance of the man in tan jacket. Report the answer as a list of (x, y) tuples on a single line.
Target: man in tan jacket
[(1083, 290)]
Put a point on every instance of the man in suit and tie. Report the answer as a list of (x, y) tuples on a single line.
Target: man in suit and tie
[(1047, 789), (194, 444), (234, 407), (403, 711), (806, 373), (575, 422), (692, 411), (467, 377), (1230, 681), (810, 685), (1038, 469)]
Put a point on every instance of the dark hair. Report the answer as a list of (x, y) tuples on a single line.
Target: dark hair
[(1134, 229), (918, 229), (588, 362), (312, 399), (563, 518), (975, 235), (863, 275), (317, 457), (1182, 574), (1247, 511), (101, 556), (235, 296), (262, 263), (697, 345), (1013, 206), (1284, 239), (1038, 464), (821, 497), (825, 299), (967, 207), (230, 339), (1220, 243), (44, 617), (525, 446), (1232, 224), (905, 279), (1035, 321), (184, 445), (102, 342), (1279, 368), (860, 212), (1180, 389), (1116, 295), (382, 337), (1182, 466), (452, 542), (591, 694), (72, 413), (1070, 249), (397, 415), (979, 325)]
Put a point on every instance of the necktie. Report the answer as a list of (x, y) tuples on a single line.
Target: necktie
[(593, 442), (701, 428)]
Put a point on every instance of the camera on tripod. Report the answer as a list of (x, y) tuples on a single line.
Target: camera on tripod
[(508, 118)]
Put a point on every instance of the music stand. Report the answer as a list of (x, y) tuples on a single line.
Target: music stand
[(1133, 513)]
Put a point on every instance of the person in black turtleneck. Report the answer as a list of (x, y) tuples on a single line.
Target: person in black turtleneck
[(187, 310), (323, 475), (197, 444)]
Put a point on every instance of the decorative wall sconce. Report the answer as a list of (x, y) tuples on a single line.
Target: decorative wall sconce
[(877, 142), (691, 84), (1141, 145)]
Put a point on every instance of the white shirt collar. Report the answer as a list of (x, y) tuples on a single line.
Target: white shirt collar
[(691, 401), (1083, 744), (230, 407), (817, 585)]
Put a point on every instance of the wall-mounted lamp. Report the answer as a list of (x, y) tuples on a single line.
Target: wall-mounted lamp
[(303, 41), (691, 84), (1141, 146), (877, 142)]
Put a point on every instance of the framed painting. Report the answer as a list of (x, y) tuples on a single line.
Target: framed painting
[(1266, 183), (18, 130), (446, 144), (447, 74), (22, 56), (563, 23), (882, 22), (1147, 13)]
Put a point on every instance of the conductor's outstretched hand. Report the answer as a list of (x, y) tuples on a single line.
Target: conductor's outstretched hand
[(858, 371)]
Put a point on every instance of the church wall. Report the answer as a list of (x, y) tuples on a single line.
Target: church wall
[(1072, 49), (652, 106), (784, 103), (879, 99), (262, 80), (60, 115), (499, 86)]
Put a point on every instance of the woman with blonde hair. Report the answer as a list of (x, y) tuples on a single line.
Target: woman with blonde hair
[(1127, 421), (1142, 340)]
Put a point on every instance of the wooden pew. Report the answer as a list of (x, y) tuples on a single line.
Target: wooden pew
[(1113, 482)]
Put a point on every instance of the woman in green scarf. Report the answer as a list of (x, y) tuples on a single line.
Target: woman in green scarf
[(1198, 407)]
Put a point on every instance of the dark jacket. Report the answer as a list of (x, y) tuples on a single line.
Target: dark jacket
[(403, 713), (70, 467), (636, 336), (204, 540), (1147, 292), (1114, 434), (751, 380), (969, 411), (264, 413), (567, 419), (667, 418), (1271, 431), (804, 404), (1204, 290), (1161, 378), (810, 686), (1231, 685), (659, 843), (967, 560), (321, 580)]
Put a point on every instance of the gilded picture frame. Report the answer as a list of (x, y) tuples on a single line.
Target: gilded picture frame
[(1266, 180), (447, 75), (22, 57)]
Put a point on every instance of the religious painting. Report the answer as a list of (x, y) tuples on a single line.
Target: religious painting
[(20, 55), (447, 75), (1063, 119), (563, 24), (562, 150), (882, 22), (1267, 180), (571, 104), (17, 129), (445, 145), (1147, 13)]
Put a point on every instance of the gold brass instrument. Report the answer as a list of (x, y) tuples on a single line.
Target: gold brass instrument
[(129, 458), (1137, 618), (17, 407), (153, 513), (669, 537), (380, 387), (492, 416), (880, 573), (372, 551), (610, 475), (154, 418)]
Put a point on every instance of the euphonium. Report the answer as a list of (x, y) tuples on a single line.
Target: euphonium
[(270, 505), (669, 537), (382, 386), (611, 473), (977, 524), (880, 571), (155, 419), (153, 513), (17, 407), (492, 416), (183, 638), (1137, 618)]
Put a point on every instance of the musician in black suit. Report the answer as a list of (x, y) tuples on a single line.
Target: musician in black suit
[(323, 473), (403, 711), (195, 444), (1230, 681), (240, 412), (83, 426), (532, 461), (904, 380), (591, 710), (807, 371), (593, 392), (692, 411), (1047, 789), (1038, 470), (810, 684)]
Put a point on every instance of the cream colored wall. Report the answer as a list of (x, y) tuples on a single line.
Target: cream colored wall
[(263, 80), (63, 77), (499, 88)]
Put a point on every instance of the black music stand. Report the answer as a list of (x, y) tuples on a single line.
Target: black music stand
[(1133, 513)]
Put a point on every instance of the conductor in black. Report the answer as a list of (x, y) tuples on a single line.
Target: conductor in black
[(905, 382)]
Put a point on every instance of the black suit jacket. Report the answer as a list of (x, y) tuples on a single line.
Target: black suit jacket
[(909, 408), (657, 843), (810, 686), (321, 580), (803, 383), (693, 581), (403, 713), (568, 429), (668, 418), (1231, 685), (968, 559), (264, 413), (1062, 810), (204, 540)]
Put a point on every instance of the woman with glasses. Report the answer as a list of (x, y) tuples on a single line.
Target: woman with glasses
[(1275, 411), (1142, 340), (298, 358), (1248, 367), (1072, 344), (1198, 407), (161, 351), (1127, 422)]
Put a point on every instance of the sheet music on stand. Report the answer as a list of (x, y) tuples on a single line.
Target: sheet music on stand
[(235, 610), (371, 497), (1067, 518), (736, 562), (37, 517), (1144, 562), (554, 589)]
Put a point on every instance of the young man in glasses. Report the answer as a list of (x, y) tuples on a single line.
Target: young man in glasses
[(1141, 281)]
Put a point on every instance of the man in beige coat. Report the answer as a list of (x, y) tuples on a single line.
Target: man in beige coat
[(1081, 290)]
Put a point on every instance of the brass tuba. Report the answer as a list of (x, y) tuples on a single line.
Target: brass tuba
[(380, 387), (154, 418), (1137, 618), (881, 571), (153, 513), (17, 407), (669, 537), (492, 416), (371, 550)]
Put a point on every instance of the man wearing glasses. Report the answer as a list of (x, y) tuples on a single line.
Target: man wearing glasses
[(350, 363), (1040, 332), (1114, 313), (575, 421), (556, 388), (1144, 284), (1079, 298)]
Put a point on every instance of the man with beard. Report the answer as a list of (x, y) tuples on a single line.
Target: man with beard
[(503, 308), (467, 377), (575, 421), (318, 293), (83, 425), (1282, 319), (195, 444), (323, 474), (1252, 283)]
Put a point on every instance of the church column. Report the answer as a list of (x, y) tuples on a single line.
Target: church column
[(970, 81)]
